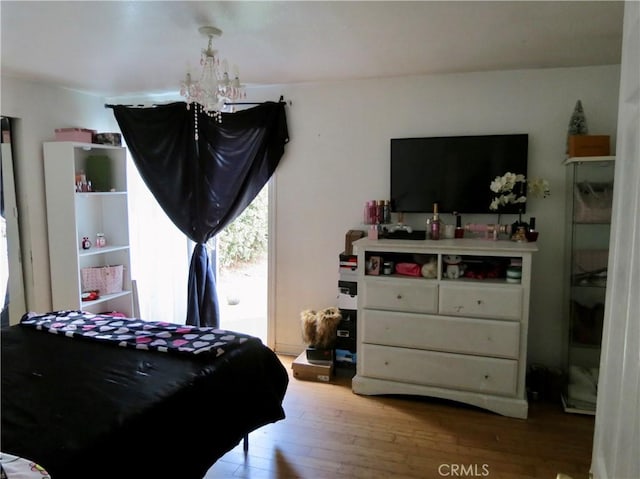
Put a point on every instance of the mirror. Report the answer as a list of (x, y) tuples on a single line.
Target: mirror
[(12, 303)]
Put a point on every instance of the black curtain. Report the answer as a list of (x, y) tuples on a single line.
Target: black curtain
[(204, 174)]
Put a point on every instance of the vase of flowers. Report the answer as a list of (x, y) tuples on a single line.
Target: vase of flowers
[(513, 189)]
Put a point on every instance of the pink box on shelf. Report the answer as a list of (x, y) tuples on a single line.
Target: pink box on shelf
[(81, 135)]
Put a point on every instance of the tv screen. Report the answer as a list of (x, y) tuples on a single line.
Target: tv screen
[(453, 171)]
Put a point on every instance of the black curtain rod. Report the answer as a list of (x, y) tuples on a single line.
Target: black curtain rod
[(109, 105), (281, 100), (245, 103)]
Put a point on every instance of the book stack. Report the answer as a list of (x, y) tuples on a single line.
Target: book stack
[(345, 349), (348, 263)]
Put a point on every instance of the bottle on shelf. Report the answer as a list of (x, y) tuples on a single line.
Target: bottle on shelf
[(434, 224), (380, 212), (366, 217), (489, 231), (532, 223), (387, 212), (371, 213), (377, 212), (101, 241), (459, 231)]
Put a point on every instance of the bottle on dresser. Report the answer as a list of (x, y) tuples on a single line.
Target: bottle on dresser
[(434, 224), (532, 233), (459, 231), (532, 224)]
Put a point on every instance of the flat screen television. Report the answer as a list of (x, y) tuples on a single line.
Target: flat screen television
[(453, 171)]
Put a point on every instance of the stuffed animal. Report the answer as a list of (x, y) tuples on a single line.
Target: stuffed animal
[(430, 268), (454, 266), (319, 328)]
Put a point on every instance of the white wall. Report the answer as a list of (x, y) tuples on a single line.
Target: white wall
[(40, 109), (338, 158)]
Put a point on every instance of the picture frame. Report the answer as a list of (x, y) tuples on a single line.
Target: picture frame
[(372, 266)]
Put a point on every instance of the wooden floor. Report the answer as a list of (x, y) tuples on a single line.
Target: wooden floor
[(330, 432)]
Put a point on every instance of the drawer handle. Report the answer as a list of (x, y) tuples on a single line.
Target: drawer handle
[(486, 376), (386, 363), (399, 296), (479, 301)]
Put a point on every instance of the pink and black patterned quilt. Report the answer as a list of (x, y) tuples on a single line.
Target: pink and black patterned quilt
[(101, 397), (137, 333)]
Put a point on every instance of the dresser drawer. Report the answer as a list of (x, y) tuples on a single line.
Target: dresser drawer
[(481, 301), (457, 335), (446, 370), (400, 294)]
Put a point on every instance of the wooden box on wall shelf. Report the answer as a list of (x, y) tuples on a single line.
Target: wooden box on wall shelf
[(589, 145)]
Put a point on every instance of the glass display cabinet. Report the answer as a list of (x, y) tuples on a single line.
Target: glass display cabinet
[(590, 194)]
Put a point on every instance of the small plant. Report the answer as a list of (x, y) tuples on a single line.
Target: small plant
[(513, 189)]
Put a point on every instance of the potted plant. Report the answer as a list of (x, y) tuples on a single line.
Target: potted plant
[(513, 188)]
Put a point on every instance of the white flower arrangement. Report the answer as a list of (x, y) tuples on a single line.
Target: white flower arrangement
[(513, 189)]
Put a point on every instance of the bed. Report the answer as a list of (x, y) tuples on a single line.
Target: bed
[(95, 396)]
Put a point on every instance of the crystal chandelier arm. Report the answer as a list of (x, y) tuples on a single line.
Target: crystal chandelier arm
[(215, 89)]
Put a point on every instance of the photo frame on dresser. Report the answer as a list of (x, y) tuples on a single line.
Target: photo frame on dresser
[(372, 265)]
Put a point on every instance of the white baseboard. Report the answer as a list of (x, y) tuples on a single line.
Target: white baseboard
[(289, 349)]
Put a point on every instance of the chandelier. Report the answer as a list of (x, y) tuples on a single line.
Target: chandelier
[(216, 88)]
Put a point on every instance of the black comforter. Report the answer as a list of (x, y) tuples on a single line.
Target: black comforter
[(88, 409)]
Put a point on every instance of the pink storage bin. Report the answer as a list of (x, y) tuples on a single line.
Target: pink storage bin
[(409, 269), (81, 135)]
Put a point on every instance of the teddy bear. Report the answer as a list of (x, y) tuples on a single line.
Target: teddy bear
[(430, 268), (319, 328), (454, 266)]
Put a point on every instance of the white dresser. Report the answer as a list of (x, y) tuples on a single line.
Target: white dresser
[(461, 339)]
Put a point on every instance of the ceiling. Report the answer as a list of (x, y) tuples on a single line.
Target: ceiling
[(128, 48)]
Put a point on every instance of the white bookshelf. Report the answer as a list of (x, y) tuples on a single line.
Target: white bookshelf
[(73, 215)]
